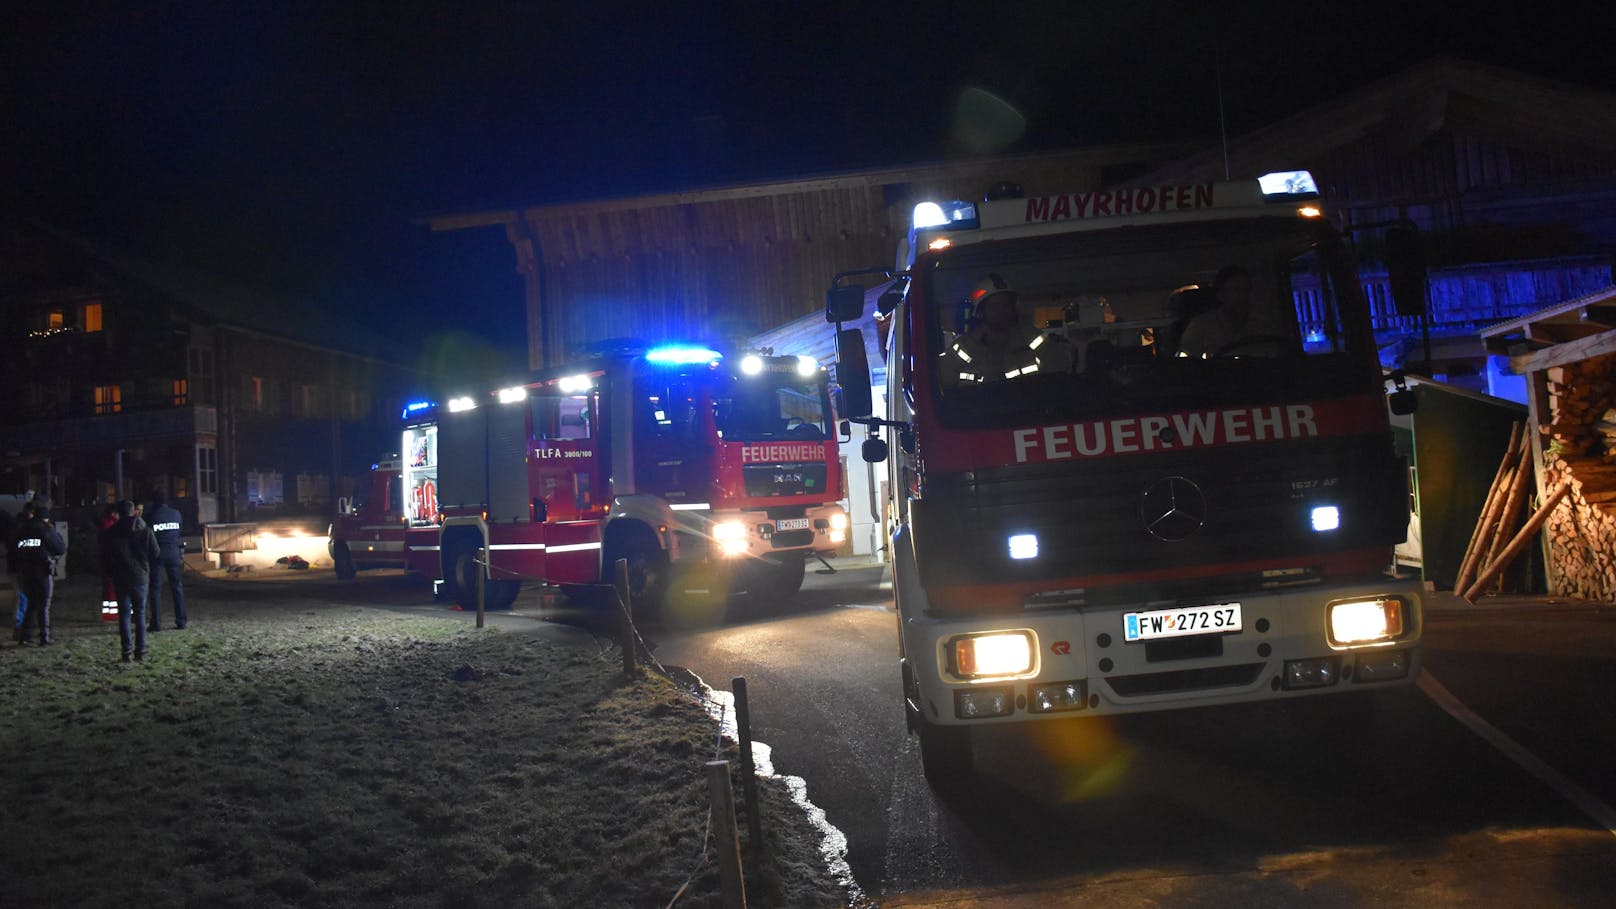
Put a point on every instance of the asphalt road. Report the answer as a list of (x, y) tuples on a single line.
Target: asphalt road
[(1215, 807)]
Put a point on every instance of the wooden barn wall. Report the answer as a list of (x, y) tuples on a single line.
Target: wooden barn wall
[(726, 269), (1493, 198)]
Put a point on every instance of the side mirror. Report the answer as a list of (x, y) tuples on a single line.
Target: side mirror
[(1402, 402), (846, 434), (853, 374), (887, 302), (874, 450), (1405, 268), (844, 303)]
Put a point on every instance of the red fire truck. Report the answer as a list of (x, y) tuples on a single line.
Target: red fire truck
[(1139, 460), (672, 458)]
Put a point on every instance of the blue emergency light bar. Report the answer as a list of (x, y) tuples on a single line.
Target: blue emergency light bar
[(417, 407), (944, 215), (682, 356), (1288, 183)]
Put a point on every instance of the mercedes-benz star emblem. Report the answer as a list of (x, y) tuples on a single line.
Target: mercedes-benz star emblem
[(1172, 508)]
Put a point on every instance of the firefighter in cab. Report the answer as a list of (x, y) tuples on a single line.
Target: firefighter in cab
[(998, 343)]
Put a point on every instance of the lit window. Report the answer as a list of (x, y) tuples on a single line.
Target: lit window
[(182, 392), (182, 488), (108, 398), (255, 392), (92, 317)]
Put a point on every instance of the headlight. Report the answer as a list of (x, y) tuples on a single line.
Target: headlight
[(838, 521), (1024, 546), (807, 366), (1000, 654), (1365, 621), (731, 537), (751, 364), (1326, 517)]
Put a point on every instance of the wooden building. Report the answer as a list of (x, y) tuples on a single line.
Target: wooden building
[(725, 263), (1511, 178), (127, 377)]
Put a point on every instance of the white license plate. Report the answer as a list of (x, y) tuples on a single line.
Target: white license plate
[(1177, 623), (791, 524)]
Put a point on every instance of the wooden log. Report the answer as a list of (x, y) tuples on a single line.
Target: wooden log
[(1519, 543), (1512, 505), (1473, 552)]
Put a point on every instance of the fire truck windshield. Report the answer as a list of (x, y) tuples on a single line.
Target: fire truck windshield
[(771, 406), (1087, 324)]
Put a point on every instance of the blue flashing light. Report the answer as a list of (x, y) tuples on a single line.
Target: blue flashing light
[(682, 356), (1288, 183), (417, 407), (947, 215)]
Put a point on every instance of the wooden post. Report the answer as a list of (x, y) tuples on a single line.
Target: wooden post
[(725, 837), (1479, 539), (1520, 542), (625, 620), (482, 584), (1512, 506), (754, 812)]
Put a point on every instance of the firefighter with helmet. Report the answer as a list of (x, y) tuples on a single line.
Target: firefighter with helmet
[(998, 344)]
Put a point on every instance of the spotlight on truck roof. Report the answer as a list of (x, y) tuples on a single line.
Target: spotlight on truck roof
[(456, 405), (751, 364), (807, 366)]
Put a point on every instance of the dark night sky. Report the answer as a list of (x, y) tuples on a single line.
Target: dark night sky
[(294, 145)]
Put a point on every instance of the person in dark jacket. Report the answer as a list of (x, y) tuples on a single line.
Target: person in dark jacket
[(165, 524), (39, 545), (130, 551)]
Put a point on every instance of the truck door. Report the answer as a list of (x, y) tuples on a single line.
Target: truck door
[(673, 438)]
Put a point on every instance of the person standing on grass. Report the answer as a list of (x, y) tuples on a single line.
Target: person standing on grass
[(165, 525), (132, 549), (39, 545), (104, 524)]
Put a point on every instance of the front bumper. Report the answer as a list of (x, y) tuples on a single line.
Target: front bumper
[(753, 534), (1083, 651)]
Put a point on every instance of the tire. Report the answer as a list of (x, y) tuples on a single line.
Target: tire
[(774, 582), (496, 594), (647, 571), (342, 561), (946, 757)]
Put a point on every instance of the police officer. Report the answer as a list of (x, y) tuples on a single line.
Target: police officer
[(131, 549), (39, 544), (165, 524)]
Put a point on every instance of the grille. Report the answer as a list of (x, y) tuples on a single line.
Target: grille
[(765, 480), (1132, 686), (792, 538), (1088, 517)]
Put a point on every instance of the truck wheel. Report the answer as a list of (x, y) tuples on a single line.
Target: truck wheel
[(945, 757), (776, 581), (647, 571), (342, 561), (496, 594)]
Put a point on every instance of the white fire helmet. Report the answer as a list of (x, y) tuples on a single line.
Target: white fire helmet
[(991, 285)]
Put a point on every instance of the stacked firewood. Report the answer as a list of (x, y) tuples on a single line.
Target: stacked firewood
[(1582, 535)]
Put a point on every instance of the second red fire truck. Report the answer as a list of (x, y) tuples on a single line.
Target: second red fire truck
[(681, 461), (1139, 460)]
